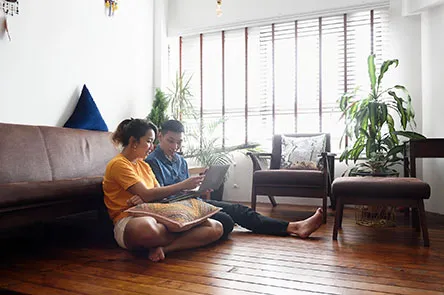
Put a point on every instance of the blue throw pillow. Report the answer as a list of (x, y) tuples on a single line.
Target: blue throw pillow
[(86, 115)]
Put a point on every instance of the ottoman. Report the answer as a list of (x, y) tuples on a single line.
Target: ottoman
[(389, 191)]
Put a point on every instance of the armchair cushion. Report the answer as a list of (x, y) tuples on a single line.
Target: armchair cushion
[(303, 165), (289, 177), (302, 153)]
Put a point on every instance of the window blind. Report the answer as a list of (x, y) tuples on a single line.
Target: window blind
[(282, 77)]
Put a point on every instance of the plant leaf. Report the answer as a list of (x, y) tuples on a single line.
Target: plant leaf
[(401, 109), (372, 72), (395, 150), (410, 134), (384, 67)]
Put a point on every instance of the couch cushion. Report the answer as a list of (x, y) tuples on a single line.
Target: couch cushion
[(23, 154), (77, 153), (24, 193), (306, 178)]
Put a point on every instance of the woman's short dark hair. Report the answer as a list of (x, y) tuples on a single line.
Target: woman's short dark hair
[(132, 127), (173, 126)]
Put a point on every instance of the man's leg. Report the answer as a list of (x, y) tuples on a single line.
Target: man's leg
[(227, 223), (250, 219)]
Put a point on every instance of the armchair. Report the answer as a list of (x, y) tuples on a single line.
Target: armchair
[(275, 181)]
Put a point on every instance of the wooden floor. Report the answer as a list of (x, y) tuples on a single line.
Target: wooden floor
[(82, 258)]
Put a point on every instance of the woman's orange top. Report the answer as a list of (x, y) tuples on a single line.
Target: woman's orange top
[(121, 174)]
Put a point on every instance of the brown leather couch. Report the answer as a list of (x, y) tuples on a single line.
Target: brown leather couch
[(50, 172)]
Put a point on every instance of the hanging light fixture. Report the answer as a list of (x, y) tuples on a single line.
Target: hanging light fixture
[(218, 7)]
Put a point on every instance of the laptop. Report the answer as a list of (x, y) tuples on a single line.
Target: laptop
[(214, 178)]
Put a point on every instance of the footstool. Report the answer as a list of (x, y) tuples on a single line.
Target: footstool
[(389, 191)]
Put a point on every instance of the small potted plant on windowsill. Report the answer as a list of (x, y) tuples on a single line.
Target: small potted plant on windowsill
[(207, 151), (370, 124)]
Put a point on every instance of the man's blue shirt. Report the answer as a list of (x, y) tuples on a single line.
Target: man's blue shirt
[(167, 172)]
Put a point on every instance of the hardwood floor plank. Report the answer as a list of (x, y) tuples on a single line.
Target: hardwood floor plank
[(379, 286), (80, 258), (88, 284), (157, 277), (322, 276), (19, 287), (353, 268), (368, 263), (213, 278)]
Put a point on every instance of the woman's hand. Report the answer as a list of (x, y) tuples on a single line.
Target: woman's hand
[(134, 200), (192, 182)]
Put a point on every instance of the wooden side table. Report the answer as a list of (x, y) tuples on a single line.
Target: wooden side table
[(420, 148)]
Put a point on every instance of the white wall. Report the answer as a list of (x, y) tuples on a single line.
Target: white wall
[(160, 43), (191, 16), (57, 46), (433, 103), (405, 31)]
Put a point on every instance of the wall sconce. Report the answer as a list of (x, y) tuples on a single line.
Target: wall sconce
[(9, 7), (110, 7), (218, 7)]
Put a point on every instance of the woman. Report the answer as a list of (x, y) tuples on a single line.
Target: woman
[(128, 177)]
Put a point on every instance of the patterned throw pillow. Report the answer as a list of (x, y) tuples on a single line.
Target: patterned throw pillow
[(301, 153), (178, 216)]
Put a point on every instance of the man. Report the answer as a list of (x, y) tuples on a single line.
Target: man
[(170, 168)]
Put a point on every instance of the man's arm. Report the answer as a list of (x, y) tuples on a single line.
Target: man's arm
[(187, 172)]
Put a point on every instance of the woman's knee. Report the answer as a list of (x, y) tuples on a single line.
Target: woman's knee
[(217, 230), (226, 221), (146, 232)]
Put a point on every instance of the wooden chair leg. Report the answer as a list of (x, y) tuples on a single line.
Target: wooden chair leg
[(338, 212), (253, 198), (423, 221), (407, 215), (415, 220), (341, 211), (273, 201), (324, 209)]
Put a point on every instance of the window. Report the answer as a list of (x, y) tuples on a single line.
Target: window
[(281, 77)]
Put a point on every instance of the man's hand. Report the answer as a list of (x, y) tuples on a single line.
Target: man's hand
[(134, 200), (192, 182)]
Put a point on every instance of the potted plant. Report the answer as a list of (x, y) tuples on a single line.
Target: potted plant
[(158, 114), (207, 150), (370, 123), (180, 98)]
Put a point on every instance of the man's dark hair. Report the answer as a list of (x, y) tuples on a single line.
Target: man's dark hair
[(172, 126)]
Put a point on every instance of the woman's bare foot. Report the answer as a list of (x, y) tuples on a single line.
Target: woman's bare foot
[(306, 227), (156, 254)]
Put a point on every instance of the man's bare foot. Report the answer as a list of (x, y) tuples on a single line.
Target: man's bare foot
[(156, 254), (306, 227)]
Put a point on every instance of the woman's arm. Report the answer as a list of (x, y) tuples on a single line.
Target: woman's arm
[(158, 193)]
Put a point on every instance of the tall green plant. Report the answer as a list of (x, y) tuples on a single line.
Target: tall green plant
[(158, 113), (370, 121), (207, 150), (180, 98)]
